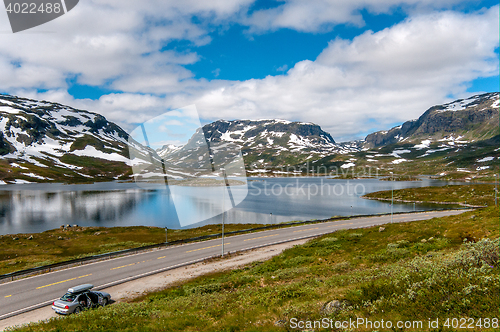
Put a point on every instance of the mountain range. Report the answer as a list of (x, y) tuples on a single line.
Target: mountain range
[(42, 141), (472, 119)]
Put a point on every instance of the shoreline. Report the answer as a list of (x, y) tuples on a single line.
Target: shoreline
[(423, 202)]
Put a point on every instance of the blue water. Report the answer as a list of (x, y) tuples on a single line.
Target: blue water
[(33, 208)]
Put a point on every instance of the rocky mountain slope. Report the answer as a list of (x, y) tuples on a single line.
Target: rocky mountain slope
[(458, 140), (275, 142), (263, 144), (44, 141), (472, 119)]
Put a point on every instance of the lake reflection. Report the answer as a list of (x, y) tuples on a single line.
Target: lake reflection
[(38, 207)]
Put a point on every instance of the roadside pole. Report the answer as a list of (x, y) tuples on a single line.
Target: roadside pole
[(392, 194), (223, 207), (496, 189), (166, 234)]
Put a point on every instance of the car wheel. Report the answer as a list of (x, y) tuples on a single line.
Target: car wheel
[(104, 302), (77, 310)]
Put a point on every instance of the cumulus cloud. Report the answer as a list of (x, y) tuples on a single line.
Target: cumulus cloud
[(376, 79), (320, 15), (121, 41)]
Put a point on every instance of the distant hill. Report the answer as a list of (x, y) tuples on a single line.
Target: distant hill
[(44, 141), (472, 119), (276, 142)]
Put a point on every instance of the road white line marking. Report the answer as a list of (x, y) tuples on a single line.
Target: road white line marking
[(35, 306)]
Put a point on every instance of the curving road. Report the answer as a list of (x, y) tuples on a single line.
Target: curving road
[(34, 292)]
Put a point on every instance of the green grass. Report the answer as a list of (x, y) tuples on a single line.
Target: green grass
[(475, 194), (437, 268), (18, 252)]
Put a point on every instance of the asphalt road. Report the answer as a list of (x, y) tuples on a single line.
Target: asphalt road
[(30, 293)]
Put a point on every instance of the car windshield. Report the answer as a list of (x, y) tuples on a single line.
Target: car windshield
[(69, 297)]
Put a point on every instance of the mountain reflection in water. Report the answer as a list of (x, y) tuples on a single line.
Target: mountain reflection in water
[(38, 207)]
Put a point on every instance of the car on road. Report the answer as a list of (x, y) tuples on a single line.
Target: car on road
[(80, 298)]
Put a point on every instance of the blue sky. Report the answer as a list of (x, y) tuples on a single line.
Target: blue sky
[(350, 66)]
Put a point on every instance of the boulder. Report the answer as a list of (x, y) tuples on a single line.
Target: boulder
[(332, 306)]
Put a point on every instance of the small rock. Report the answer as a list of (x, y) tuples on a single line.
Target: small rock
[(381, 229), (68, 226), (97, 233), (423, 240), (431, 238), (31, 237), (15, 238), (60, 238), (61, 227), (75, 225), (280, 322), (473, 216), (332, 306)]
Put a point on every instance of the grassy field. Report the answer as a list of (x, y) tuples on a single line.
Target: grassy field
[(475, 194), (438, 269), (23, 251)]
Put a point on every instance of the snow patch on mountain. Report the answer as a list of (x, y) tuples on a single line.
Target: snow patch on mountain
[(91, 151), (348, 165), (423, 145), (462, 104), (485, 159)]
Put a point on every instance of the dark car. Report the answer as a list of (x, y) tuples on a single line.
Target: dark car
[(80, 298)]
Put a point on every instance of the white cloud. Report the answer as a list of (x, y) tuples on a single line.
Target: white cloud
[(385, 77), (216, 72), (320, 15), (282, 68), (377, 78), (104, 40)]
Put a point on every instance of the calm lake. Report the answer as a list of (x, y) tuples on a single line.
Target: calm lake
[(30, 208)]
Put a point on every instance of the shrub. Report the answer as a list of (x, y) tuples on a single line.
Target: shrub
[(483, 252)]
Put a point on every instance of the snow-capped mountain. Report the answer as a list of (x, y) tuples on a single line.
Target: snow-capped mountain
[(268, 142), (457, 140), (47, 141), (167, 149), (42, 141), (472, 119)]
